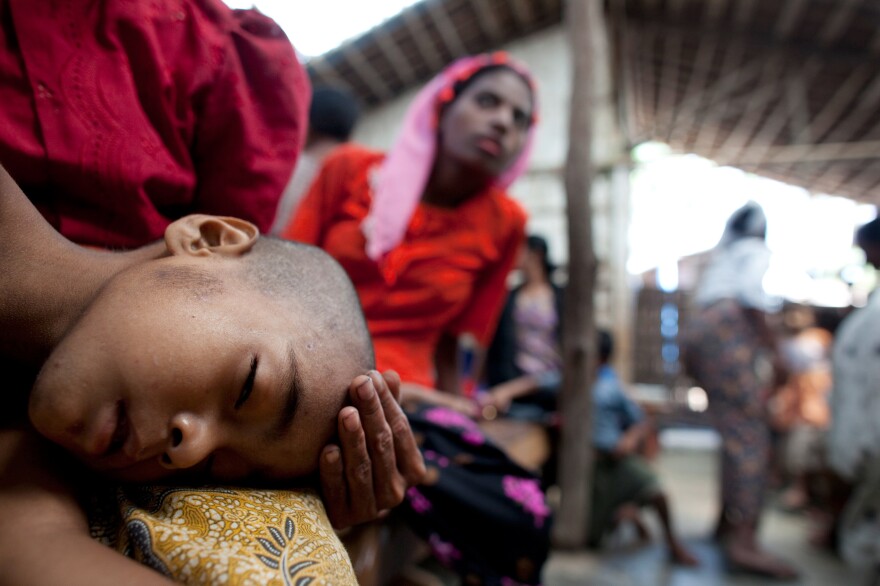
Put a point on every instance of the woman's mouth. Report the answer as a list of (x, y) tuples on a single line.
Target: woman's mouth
[(489, 146)]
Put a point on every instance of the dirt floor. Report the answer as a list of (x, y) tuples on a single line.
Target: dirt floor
[(687, 467)]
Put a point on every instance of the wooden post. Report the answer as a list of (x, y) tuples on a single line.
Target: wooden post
[(579, 330)]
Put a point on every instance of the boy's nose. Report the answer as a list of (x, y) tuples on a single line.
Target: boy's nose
[(190, 440)]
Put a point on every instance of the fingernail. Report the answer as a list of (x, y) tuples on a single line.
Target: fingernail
[(332, 456), (365, 390), (351, 421)]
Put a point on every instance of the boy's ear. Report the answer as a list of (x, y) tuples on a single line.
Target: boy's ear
[(203, 235)]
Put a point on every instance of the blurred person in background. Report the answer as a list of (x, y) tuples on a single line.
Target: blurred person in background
[(854, 436), (800, 408), (524, 366), (727, 340), (428, 235), (524, 361), (621, 477), (333, 115)]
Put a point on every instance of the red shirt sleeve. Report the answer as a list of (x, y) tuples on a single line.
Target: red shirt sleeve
[(480, 317), (120, 117), (251, 118)]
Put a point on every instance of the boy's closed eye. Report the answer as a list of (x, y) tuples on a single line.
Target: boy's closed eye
[(248, 386)]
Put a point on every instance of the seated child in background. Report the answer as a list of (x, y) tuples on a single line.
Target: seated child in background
[(621, 478), (218, 354)]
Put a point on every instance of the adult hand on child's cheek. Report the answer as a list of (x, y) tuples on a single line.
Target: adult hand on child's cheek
[(378, 458)]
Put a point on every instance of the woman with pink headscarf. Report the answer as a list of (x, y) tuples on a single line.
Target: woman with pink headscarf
[(428, 235)]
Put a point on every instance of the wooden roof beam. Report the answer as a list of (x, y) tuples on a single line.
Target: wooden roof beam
[(668, 78), (743, 10), (396, 57), (836, 25), (696, 89), (855, 121), (427, 51), (707, 133), (454, 44), (868, 99), (874, 44), (639, 84), (868, 176), (788, 17), (648, 40), (715, 93), (802, 153), (838, 103), (841, 101), (697, 80), (777, 119), (487, 21), (731, 80), (753, 107), (627, 105), (368, 74), (676, 7), (795, 97), (522, 12), (326, 74), (713, 11)]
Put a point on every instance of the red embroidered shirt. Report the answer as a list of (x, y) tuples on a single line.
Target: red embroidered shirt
[(121, 116)]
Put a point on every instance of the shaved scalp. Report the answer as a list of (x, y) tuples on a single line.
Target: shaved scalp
[(315, 285), (198, 282)]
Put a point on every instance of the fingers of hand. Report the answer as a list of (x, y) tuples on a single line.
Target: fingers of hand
[(333, 486), (408, 459), (392, 379), (358, 468), (388, 483)]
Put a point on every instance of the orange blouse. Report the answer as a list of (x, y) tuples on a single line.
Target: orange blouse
[(448, 275)]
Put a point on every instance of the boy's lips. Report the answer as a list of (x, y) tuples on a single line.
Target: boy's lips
[(114, 436), (105, 432)]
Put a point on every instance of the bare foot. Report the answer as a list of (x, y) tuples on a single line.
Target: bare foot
[(756, 561), (680, 556)]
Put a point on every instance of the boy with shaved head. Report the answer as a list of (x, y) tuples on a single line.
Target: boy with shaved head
[(215, 354)]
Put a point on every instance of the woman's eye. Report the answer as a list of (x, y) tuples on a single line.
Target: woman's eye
[(248, 386), (487, 100), (521, 119)]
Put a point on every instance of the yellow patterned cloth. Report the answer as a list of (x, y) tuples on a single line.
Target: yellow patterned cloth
[(224, 535)]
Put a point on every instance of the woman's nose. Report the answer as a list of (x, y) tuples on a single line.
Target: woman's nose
[(503, 118), (191, 439)]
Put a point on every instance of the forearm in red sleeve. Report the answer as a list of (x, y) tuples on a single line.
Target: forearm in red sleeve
[(251, 121)]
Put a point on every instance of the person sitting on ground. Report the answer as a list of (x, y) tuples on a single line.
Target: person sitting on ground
[(216, 355), (621, 478), (332, 118)]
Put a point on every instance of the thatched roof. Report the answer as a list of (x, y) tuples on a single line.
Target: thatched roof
[(785, 88)]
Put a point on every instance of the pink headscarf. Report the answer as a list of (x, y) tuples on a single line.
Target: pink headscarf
[(402, 178)]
